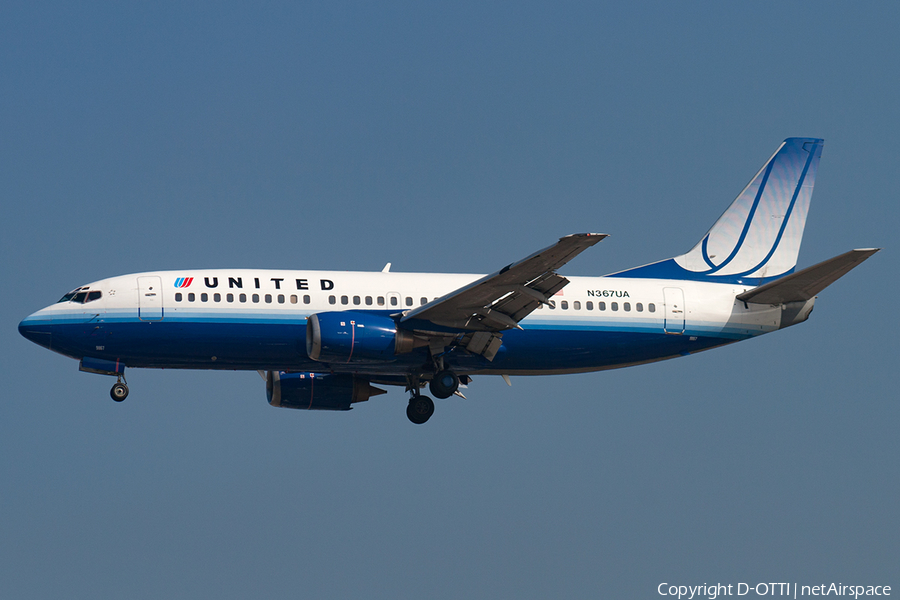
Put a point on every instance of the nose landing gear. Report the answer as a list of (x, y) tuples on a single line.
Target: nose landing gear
[(119, 391)]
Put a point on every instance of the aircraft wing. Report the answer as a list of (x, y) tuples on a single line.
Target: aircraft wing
[(499, 301)]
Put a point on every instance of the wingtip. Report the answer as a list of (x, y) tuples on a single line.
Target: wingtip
[(586, 235)]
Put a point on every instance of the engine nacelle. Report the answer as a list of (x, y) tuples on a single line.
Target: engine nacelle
[(355, 337), (317, 391)]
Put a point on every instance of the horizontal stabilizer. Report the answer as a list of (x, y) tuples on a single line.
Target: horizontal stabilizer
[(805, 284)]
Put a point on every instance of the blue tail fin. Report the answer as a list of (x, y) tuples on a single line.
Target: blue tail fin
[(758, 238)]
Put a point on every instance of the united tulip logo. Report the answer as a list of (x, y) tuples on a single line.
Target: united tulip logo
[(183, 282)]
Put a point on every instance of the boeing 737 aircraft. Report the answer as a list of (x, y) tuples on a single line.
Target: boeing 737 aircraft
[(323, 339)]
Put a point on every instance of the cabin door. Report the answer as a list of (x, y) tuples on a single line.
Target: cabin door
[(150, 304), (674, 300)]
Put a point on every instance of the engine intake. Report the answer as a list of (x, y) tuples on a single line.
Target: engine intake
[(357, 337), (317, 391)]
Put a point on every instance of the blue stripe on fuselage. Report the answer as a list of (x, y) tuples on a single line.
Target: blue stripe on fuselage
[(247, 341)]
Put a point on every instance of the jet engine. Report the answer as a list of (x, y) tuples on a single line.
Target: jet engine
[(317, 391), (355, 337)]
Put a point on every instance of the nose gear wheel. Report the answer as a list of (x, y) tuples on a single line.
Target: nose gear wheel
[(119, 391)]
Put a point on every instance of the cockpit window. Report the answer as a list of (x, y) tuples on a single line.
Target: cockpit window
[(72, 294), (82, 297)]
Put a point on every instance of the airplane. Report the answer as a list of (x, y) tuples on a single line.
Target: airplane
[(323, 340)]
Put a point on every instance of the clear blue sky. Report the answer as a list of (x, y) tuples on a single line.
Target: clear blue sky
[(444, 138)]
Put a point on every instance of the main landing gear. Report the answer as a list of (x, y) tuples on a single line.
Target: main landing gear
[(119, 391), (444, 384), (420, 408)]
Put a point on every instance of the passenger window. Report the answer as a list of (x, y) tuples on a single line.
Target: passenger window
[(408, 301), (332, 300), (229, 297), (268, 298), (191, 297), (601, 306), (576, 305), (651, 307), (293, 298), (564, 305), (639, 307), (204, 297), (242, 297), (280, 298), (627, 306), (423, 301), (345, 300), (356, 300), (395, 300), (217, 297), (255, 297), (380, 300), (589, 305), (177, 296), (614, 305), (307, 300), (552, 304), (368, 300)]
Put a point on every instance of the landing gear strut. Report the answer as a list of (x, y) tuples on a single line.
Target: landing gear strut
[(420, 408), (119, 391)]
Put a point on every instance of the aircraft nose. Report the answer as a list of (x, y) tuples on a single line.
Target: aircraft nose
[(37, 328)]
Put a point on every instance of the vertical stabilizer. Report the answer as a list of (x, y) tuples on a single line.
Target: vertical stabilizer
[(758, 237)]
